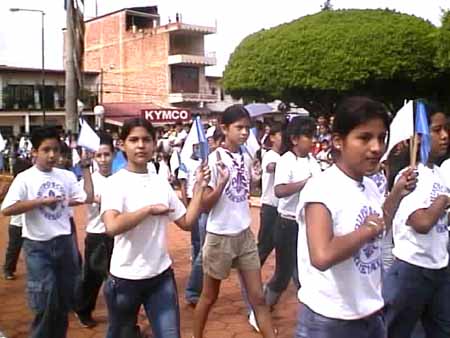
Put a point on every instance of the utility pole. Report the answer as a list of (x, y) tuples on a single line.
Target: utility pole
[(72, 88)]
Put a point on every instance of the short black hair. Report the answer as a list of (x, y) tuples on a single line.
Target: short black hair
[(107, 140), (298, 126), (41, 134), (234, 113)]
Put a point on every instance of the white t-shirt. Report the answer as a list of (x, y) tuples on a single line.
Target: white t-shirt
[(231, 214), (424, 250), (189, 175), (350, 289), (291, 169), (95, 224), (141, 252), (268, 194), (45, 222), (445, 172)]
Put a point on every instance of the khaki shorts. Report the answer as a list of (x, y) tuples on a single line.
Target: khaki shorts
[(223, 252)]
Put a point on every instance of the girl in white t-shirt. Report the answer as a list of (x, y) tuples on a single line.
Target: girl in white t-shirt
[(229, 241), (342, 219), (137, 207), (417, 286)]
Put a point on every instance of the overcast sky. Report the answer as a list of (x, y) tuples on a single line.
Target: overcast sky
[(20, 32)]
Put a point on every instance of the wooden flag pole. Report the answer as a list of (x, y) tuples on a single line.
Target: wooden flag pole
[(413, 147)]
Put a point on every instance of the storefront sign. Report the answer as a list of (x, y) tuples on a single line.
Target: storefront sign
[(166, 115)]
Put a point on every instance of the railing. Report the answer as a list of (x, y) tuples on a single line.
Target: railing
[(192, 97), (192, 59)]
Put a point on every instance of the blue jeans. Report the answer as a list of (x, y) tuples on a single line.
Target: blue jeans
[(52, 270), (195, 281), (159, 297), (313, 325), (413, 293)]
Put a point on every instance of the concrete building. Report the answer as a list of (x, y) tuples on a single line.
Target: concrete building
[(143, 62), (22, 97)]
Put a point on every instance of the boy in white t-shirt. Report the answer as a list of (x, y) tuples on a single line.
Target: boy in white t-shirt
[(293, 170), (417, 286), (269, 202), (15, 239), (44, 194), (97, 244)]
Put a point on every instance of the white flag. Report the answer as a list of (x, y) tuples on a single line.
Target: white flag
[(252, 144), (75, 157), (2, 143), (191, 139), (88, 137), (401, 128), (174, 161)]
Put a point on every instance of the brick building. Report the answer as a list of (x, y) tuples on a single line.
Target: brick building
[(143, 62)]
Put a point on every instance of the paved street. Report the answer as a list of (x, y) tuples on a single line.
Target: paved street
[(227, 320)]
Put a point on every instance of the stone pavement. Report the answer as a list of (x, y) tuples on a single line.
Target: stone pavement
[(227, 320)]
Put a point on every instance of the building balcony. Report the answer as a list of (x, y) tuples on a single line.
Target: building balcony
[(191, 97), (184, 27), (188, 60)]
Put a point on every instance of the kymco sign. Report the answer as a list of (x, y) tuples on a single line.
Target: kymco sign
[(166, 115)]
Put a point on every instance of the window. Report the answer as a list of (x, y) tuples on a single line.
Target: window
[(185, 79), (18, 97)]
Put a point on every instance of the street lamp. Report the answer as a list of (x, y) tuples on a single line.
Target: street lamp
[(42, 54)]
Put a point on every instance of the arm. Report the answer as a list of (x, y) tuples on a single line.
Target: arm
[(88, 186), (117, 223), (404, 185), (325, 249), (183, 188), (423, 220), (288, 189), (270, 168), (21, 207), (194, 209)]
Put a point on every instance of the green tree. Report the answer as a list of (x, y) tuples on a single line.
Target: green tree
[(315, 60)]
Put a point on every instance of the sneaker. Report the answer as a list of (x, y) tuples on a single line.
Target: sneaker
[(9, 276), (252, 321), (86, 321)]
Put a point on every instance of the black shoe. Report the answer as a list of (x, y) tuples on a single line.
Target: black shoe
[(86, 321), (9, 276)]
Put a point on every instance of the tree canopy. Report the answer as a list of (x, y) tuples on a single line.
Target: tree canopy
[(318, 58)]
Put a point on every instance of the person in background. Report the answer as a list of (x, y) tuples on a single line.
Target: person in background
[(15, 239), (294, 168), (417, 286), (97, 244)]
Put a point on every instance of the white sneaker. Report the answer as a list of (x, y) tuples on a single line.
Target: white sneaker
[(252, 321)]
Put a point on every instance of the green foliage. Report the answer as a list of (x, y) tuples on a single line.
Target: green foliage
[(443, 43), (320, 57)]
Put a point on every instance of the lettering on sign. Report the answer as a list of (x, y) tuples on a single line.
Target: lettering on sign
[(166, 115)]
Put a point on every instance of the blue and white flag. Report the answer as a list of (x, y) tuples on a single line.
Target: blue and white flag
[(422, 128)]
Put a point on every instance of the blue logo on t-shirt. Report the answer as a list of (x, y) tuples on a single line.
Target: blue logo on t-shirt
[(52, 189), (368, 258), (238, 188)]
